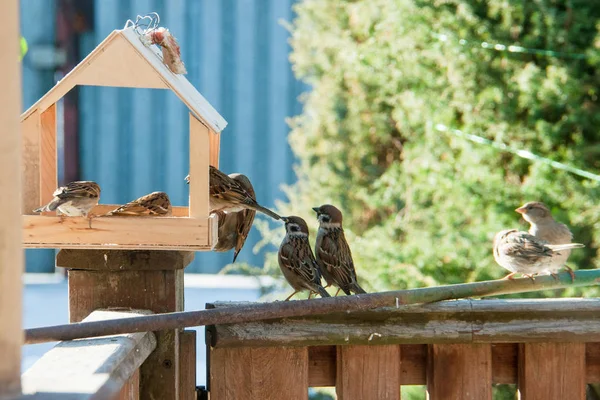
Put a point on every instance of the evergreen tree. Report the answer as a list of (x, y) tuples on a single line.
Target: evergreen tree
[(421, 205)]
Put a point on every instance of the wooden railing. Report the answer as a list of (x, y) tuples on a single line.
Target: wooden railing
[(550, 348), (96, 368)]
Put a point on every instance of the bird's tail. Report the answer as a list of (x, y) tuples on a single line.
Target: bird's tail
[(322, 291), (357, 289), (566, 246), (53, 205), (266, 211), (235, 254)]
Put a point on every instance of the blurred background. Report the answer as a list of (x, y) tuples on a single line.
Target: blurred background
[(427, 123)]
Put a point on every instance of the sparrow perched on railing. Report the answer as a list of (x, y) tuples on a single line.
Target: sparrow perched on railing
[(226, 194), (296, 259), (234, 227), (155, 203), (520, 252), (76, 199), (333, 253), (543, 226)]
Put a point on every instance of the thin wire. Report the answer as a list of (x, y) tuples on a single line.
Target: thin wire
[(521, 153), (514, 49), (141, 26)]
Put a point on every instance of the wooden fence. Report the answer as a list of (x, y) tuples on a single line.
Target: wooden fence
[(550, 348)]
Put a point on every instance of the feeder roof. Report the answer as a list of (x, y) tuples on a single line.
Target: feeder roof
[(122, 60)]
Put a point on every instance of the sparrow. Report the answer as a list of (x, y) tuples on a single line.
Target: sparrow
[(227, 194), (333, 253), (76, 199), (296, 259), (544, 227), (520, 252), (155, 203), (234, 227)]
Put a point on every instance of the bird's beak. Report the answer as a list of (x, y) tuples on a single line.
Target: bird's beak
[(284, 219), (520, 210), (316, 209)]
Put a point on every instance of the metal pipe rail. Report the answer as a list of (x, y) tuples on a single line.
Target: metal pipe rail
[(275, 310)]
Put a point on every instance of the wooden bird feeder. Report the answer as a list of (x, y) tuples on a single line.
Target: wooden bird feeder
[(121, 60)]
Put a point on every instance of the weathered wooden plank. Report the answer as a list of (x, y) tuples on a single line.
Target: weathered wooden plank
[(159, 290), (11, 254), (131, 388), (118, 232), (97, 368), (262, 373), (413, 364), (461, 321), (187, 365), (592, 362), (368, 372), (230, 376), (155, 290), (124, 260), (459, 372), (199, 164), (48, 162), (552, 371), (322, 366), (505, 358)]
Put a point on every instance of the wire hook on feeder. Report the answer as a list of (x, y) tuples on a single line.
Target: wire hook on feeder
[(146, 27), (140, 25)]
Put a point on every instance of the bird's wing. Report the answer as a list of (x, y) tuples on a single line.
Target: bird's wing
[(156, 203), (301, 261), (227, 231), (224, 187), (335, 255), (78, 189), (245, 219), (525, 246)]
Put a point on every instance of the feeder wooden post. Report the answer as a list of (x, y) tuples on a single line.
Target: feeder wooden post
[(199, 161), (11, 255), (49, 174), (148, 280)]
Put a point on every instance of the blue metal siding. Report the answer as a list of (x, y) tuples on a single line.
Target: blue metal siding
[(134, 141)]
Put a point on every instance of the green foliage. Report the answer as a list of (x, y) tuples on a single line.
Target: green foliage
[(421, 206)]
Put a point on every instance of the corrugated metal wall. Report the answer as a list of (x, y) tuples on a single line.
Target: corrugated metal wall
[(134, 141)]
